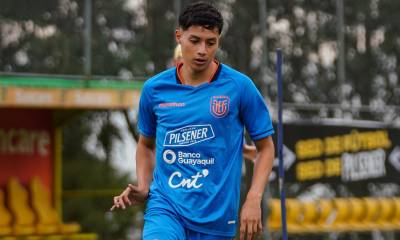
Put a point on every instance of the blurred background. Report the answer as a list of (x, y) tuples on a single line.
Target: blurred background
[(70, 78)]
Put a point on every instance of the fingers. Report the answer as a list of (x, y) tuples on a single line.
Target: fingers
[(255, 228), (246, 230), (242, 230), (131, 195), (119, 201), (125, 196), (112, 208), (116, 202), (249, 229), (260, 227), (115, 205)]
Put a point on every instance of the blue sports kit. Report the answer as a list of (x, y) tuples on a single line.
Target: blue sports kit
[(199, 139)]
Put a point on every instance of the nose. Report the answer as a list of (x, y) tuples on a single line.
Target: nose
[(201, 50)]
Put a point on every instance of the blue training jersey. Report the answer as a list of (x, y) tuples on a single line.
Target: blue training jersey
[(199, 139)]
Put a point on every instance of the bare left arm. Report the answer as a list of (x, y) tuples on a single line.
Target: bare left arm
[(250, 216)]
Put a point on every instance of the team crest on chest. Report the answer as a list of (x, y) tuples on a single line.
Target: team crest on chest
[(219, 106)]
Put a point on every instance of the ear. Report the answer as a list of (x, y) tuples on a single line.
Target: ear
[(178, 35)]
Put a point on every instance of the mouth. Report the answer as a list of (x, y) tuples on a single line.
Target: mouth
[(200, 61)]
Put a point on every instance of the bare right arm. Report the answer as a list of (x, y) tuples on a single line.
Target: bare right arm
[(144, 171), (145, 161)]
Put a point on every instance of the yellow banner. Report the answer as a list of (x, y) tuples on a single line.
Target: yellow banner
[(32, 97), (68, 98), (91, 98)]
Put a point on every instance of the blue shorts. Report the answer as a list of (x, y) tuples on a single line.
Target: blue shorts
[(165, 225)]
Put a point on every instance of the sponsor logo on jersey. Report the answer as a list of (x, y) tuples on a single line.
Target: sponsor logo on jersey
[(219, 106), (171, 104), (169, 156), (186, 158), (176, 180), (191, 158), (189, 135)]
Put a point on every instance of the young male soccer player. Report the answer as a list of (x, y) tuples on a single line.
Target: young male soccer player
[(194, 116), (249, 151)]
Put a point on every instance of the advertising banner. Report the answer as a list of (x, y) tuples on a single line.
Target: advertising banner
[(26, 145), (68, 98), (324, 153)]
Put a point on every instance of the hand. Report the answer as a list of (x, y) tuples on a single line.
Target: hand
[(130, 196), (250, 219)]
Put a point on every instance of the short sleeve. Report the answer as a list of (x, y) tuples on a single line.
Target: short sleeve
[(254, 112), (147, 119)]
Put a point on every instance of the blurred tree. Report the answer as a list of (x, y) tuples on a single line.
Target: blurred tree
[(132, 38), (57, 26), (240, 34), (160, 40), (87, 172), (109, 134), (372, 56)]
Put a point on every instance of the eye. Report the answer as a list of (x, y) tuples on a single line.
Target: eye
[(211, 43), (194, 41)]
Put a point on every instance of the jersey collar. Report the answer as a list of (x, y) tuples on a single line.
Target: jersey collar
[(179, 78)]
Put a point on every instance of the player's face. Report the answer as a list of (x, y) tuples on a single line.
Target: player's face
[(199, 46)]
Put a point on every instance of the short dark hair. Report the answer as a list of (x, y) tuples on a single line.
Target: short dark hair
[(201, 14)]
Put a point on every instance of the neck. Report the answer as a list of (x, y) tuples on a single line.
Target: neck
[(194, 78)]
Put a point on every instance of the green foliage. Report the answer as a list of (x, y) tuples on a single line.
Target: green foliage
[(62, 51), (25, 10), (86, 176)]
